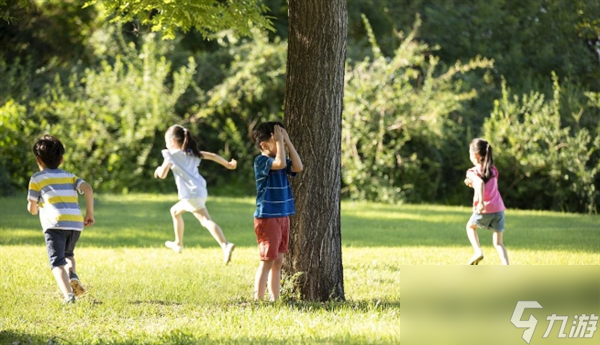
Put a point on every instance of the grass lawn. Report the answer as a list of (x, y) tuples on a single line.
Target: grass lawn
[(139, 292)]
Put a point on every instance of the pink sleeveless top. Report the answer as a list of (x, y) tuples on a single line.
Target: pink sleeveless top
[(491, 195)]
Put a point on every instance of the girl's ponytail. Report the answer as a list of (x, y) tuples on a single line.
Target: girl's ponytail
[(484, 150), (189, 144), (487, 164), (184, 138)]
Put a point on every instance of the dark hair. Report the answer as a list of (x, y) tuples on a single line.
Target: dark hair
[(184, 138), (264, 131), (484, 150), (49, 150)]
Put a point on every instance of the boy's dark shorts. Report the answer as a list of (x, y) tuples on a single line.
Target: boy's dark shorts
[(60, 244)]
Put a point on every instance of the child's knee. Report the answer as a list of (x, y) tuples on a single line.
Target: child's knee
[(205, 222), (497, 243), (266, 265)]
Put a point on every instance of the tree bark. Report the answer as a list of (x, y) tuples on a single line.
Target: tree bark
[(313, 116)]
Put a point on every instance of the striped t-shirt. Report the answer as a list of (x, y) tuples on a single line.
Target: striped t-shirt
[(55, 191), (273, 191)]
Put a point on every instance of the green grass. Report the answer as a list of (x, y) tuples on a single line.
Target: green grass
[(142, 293)]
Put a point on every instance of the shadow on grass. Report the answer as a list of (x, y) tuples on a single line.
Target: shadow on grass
[(155, 302), (335, 306), (185, 337), (20, 338), (144, 221)]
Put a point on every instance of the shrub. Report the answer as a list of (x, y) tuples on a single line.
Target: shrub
[(544, 164), (397, 126)]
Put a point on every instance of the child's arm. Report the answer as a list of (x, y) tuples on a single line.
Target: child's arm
[(479, 188), (32, 207), (468, 182), (296, 161), (231, 165), (33, 196), (162, 171), (88, 194), (279, 162), (481, 203)]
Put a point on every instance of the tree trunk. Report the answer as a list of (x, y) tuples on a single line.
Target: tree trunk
[(313, 116)]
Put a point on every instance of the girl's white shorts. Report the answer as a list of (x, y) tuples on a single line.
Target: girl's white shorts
[(191, 205)]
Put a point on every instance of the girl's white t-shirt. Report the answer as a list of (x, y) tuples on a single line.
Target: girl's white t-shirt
[(190, 184)]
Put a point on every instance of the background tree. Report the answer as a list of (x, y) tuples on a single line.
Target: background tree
[(206, 16), (314, 98), (313, 109), (427, 108)]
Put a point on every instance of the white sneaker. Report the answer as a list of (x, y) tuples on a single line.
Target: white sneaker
[(70, 299), (475, 259), (177, 249), (227, 252)]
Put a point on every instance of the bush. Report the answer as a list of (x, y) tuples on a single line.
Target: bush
[(111, 120), (398, 132), (544, 164), (16, 157)]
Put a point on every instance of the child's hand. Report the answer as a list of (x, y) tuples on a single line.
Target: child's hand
[(232, 164), (278, 133), (480, 207), (286, 136), (468, 182), (88, 220), (32, 207), (157, 172)]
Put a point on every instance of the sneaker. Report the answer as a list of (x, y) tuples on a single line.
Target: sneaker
[(177, 249), (475, 259), (227, 251), (70, 299), (78, 289)]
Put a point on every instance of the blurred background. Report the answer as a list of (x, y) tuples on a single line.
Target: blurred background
[(422, 79)]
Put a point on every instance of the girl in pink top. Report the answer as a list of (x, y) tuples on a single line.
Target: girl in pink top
[(488, 207)]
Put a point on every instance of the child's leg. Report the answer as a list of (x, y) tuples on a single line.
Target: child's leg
[(216, 232), (56, 242), (212, 227), (474, 239), (72, 238), (62, 279), (260, 280), (70, 266), (178, 226), (275, 277), (76, 285), (497, 241)]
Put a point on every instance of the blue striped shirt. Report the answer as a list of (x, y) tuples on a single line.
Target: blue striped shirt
[(273, 191), (55, 192)]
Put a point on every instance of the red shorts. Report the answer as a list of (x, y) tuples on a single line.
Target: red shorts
[(272, 235)]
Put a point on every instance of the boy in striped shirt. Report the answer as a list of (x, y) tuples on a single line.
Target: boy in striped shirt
[(53, 194), (274, 203)]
